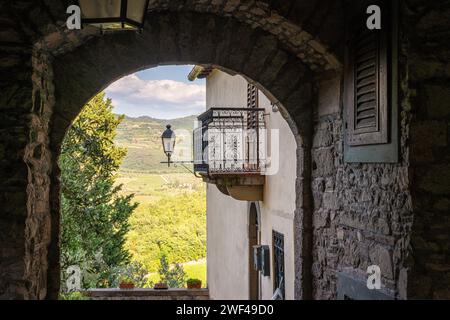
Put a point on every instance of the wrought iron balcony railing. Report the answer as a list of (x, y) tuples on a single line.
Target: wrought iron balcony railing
[(230, 141)]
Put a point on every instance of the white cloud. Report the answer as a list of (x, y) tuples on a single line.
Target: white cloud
[(158, 98)]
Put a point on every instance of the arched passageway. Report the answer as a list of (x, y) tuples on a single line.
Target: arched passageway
[(348, 215), (182, 38)]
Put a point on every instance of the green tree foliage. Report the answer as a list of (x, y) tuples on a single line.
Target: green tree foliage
[(174, 276), (132, 272), (173, 226), (94, 213), (73, 296)]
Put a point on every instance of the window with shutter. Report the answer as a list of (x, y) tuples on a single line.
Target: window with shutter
[(366, 85), (370, 97)]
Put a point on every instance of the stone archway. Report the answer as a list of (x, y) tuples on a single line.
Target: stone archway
[(296, 40), (70, 68)]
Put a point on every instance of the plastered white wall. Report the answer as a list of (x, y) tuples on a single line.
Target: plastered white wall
[(227, 219)]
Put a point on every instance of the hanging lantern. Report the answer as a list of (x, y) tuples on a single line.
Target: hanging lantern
[(114, 14), (168, 140)]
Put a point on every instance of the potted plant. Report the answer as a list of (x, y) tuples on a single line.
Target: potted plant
[(194, 284), (161, 286), (126, 283)]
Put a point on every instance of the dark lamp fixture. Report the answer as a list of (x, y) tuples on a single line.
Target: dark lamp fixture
[(114, 14), (168, 141)]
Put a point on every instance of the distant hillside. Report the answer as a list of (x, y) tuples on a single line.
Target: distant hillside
[(142, 137)]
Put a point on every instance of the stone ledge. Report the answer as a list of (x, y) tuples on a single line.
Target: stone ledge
[(148, 294)]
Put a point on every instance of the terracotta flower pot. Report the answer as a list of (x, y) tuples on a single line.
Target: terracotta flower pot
[(160, 286), (126, 285), (197, 285)]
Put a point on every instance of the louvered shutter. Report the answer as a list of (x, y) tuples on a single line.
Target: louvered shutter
[(252, 103), (252, 96), (366, 86)]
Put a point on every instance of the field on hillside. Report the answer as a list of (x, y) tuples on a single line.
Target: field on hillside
[(142, 138), (171, 216), (150, 187), (170, 219)]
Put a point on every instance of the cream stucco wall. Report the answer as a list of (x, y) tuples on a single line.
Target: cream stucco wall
[(278, 207), (227, 246), (227, 219), (224, 90)]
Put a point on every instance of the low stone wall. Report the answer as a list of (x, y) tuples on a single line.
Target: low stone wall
[(148, 294)]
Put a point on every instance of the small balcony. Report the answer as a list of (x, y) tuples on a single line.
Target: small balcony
[(230, 151)]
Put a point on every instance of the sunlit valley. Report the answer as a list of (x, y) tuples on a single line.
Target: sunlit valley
[(171, 216)]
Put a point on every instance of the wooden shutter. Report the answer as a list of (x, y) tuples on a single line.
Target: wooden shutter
[(252, 103), (366, 84), (252, 96)]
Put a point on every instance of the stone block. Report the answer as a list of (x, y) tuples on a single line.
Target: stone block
[(324, 162), (436, 179), (382, 257), (329, 95), (340, 234), (322, 138), (321, 218), (442, 204), (437, 100), (330, 200)]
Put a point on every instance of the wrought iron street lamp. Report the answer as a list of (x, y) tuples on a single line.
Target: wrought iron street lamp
[(168, 140), (114, 14)]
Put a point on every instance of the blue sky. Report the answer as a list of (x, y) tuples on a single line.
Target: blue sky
[(162, 92)]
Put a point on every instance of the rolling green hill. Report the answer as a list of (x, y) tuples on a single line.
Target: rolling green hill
[(171, 216), (142, 138)]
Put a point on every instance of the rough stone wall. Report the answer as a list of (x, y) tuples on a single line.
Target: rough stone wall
[(148, 294), (35, 37), (25, 162), (362, 212), (85, 58), (15, 104), (392, 215), (38, 159), (260, 14), (427, 93)]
